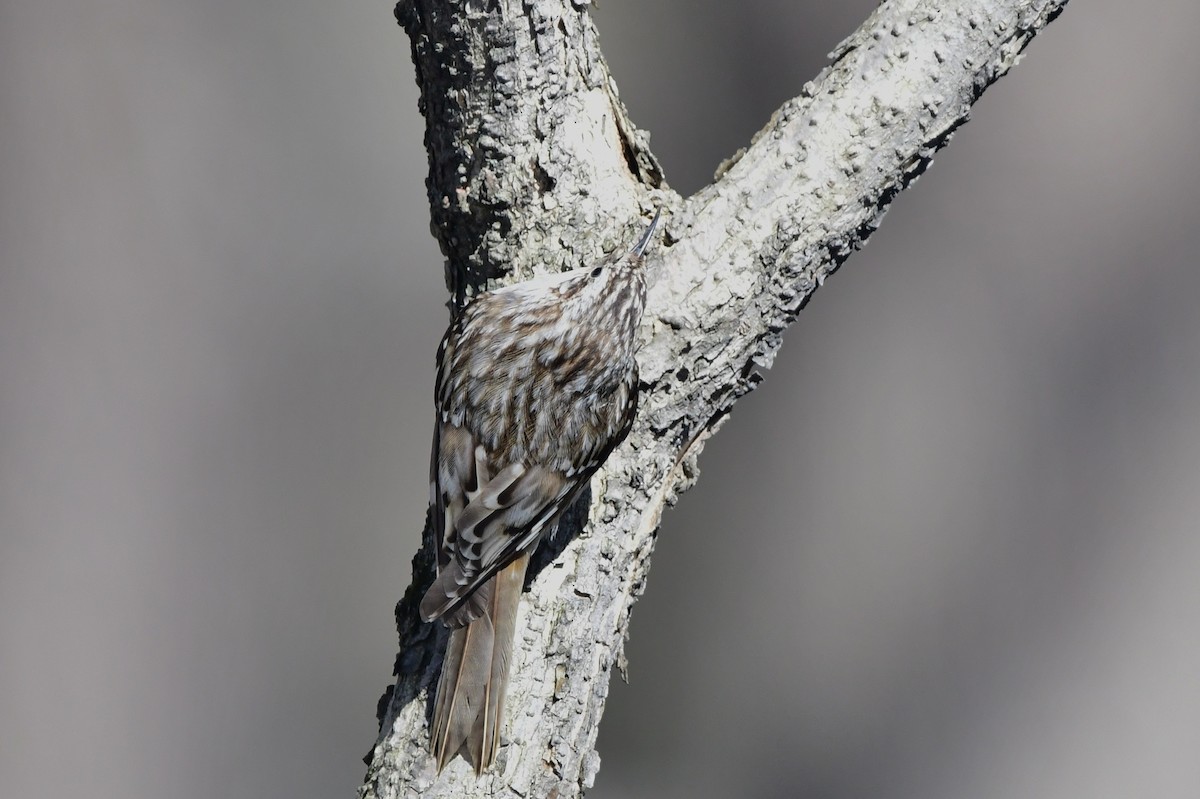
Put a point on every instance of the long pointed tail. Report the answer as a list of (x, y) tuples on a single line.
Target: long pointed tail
[(470, 694)]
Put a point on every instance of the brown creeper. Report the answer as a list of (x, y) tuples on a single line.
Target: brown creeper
[(536, 385)]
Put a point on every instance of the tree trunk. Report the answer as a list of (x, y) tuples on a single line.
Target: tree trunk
[(535, 166)]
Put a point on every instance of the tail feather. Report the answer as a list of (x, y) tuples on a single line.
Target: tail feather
[(470, 700)]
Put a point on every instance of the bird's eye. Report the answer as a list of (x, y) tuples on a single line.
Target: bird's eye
[(599, 270)]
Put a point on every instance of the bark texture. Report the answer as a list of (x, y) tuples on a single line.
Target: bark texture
[(535, 166)]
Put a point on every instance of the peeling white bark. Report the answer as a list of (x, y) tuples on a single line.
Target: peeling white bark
[(534, 166)]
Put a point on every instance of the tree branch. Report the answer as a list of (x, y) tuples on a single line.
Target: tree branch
[(535, 166)]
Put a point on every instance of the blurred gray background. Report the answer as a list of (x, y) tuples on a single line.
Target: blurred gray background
[(949, 549)]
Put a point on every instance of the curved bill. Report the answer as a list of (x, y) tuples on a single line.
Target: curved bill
[(644, 241)]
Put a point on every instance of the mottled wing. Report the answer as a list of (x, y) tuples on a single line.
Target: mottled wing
[(491, 513), (449, 499)]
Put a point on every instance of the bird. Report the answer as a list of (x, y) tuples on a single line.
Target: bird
[(537, 384)]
